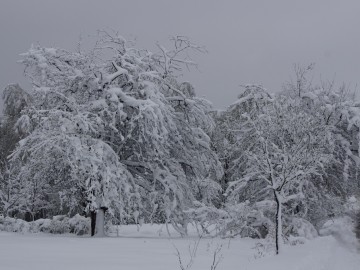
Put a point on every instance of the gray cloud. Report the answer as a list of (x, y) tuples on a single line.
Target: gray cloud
[(248, 41)]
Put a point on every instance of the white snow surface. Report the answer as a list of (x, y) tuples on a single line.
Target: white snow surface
[(152, 249)]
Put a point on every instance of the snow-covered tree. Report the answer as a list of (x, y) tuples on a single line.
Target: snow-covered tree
[(301, 83), (283, 148), (106, 134), (335, 107), (15, 100)]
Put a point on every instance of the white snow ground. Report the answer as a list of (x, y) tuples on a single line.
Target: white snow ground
[(149, 250)]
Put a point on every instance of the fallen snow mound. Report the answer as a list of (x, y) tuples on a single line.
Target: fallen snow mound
[(343, 230)]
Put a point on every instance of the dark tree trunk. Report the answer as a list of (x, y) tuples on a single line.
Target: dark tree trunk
[(357, 226), (278, 230), (93, 222)]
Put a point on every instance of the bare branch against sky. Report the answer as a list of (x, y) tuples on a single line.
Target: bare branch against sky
[(247, 41)]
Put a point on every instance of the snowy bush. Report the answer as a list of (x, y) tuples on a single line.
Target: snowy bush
[(41, 225), (59, 225), (78, 225), (299, 228), (246, 221), (207, 217), (14, 225)]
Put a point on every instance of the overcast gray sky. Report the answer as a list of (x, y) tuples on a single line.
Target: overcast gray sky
[(248, 41)]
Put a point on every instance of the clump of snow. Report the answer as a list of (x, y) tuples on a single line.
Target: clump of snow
[(352, 205), (335, 226)]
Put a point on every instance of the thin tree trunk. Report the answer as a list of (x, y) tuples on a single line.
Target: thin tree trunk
[(93, 222), (278, 232)]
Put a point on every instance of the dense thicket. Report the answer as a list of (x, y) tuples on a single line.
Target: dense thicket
[(115, 131)]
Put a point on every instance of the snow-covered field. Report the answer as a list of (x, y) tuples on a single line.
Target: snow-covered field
[(150, 249)]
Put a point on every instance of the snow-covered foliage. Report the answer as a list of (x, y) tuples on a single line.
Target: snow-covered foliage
[(78, 225), (117, 133), (15, 100), (246, 220)]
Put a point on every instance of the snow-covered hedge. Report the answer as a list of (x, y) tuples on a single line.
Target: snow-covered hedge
[(78, 225)]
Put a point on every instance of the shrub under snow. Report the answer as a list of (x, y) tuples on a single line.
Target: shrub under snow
[(78, 225)]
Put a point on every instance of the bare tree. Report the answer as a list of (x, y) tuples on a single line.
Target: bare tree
[(302, 83)]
